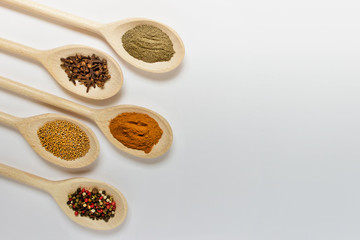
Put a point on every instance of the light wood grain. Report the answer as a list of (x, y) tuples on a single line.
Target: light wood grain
[(28, 127), (111, 32), (50, 59), (102, 117), (59, 190)]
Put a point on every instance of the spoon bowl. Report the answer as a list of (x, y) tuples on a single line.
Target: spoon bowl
[(113, 33), (68, 186), (50, 59), (104, 116), (28, 127), (52, 63), (60, 190)]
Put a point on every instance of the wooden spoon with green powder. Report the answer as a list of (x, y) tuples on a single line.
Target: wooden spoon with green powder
[(101, 117), (59, 190), (29, 128), (112, 33)]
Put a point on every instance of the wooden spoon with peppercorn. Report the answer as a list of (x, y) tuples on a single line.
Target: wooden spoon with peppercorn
[(60, 191), (81, 70), (101, 117), (112, 33), (29, 128)]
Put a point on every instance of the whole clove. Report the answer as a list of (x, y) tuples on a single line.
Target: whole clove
[(90, 71)]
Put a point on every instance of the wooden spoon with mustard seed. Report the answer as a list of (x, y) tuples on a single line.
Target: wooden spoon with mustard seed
[(101, 117), (111, 32), (29, 127), (59, 190), (50, 59)]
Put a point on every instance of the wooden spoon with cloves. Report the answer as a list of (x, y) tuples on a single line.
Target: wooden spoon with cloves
[(51, 60)]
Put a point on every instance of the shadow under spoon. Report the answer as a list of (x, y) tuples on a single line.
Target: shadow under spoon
[(28, 127), (111, 32), (101, 117), (59, 190), (50, 59)]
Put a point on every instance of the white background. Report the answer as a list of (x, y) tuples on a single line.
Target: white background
[(264, 110)]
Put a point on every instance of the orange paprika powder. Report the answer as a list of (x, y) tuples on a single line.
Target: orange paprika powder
[(136, 130)]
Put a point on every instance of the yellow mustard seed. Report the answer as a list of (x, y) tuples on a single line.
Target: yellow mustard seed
[(64, 139)]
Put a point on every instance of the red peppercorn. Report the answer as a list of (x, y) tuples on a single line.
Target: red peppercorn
[(113, 203), (108, 206), (76, 213), (101, 198), (92, 205), (89, 193), (83, 190), (86, 200), (70, 199)]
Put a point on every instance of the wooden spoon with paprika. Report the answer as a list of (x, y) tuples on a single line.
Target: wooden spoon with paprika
[(101, 117)]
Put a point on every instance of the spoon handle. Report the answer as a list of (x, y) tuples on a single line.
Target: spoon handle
[(19, 49), (26, 178), (46, 97), (55, 15), (8, 119)]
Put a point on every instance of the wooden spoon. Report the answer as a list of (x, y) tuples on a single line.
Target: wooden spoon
[(50, 59), (28, 127), (102, 117), (111, 32), (59, 190)]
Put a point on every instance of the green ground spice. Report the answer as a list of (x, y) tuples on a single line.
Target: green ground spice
[(64, 139), (148, 43)]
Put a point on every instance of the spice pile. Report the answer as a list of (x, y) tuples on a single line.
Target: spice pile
[(64, 139), (136, 130), (93, 204), (91, 71), (148, 43)]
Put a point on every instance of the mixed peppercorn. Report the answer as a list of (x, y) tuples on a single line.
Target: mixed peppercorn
[(94, 204)]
